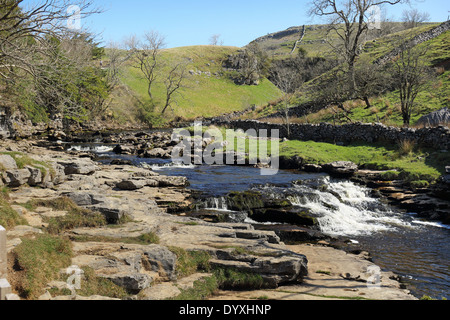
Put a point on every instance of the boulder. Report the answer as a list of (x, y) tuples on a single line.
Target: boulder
[(341, 168), (112, 213), (36, 176), (249, 201), (294, 162), (7, 162), (84, 199), (167, 181), (121, 162), (290, 233), (435, 118), (59, 173), (16, 178), (132, 282), (79, 166), (133, 267), (132, 184), (312, 168), (157, 153), (280, 215), (161, 260), (124, 149)]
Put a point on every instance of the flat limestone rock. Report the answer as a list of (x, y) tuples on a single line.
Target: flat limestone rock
[(332, 275)]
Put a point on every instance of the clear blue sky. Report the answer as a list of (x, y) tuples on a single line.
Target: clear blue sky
[(193, 22)]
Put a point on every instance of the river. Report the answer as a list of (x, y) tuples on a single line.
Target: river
[(416, 250)]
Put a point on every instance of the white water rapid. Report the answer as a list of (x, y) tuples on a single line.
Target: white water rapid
[(346, 209)]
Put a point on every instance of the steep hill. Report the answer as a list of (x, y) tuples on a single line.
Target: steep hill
[(385, 107), (207, 91), (316, 40)]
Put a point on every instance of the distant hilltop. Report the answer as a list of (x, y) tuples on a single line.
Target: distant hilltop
[(288, 32)]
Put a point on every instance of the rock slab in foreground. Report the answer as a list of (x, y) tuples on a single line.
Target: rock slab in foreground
[(274, 271)]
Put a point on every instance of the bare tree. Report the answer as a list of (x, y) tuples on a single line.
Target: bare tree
[(112, 68), (334, 92), (66, 81), (116, 59), (146, 56), (215, 40), (40, 20), (38, 48), (371, 79), (287, 80), (410, 75), (349, 21), (173, 84), (413, 17)]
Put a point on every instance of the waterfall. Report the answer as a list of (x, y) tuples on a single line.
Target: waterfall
[(215, 204), (344, 208)]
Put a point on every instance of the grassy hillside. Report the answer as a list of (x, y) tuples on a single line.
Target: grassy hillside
[(386, 107), (316, 39), (279, 44), (206, 91)]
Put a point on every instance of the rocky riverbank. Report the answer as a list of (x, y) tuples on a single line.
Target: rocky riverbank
[(428, 201), (136, 203)]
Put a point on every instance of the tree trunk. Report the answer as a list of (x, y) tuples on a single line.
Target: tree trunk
[(366, 100)]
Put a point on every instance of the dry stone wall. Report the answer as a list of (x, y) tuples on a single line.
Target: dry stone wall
[(438, 137), (421, 38)]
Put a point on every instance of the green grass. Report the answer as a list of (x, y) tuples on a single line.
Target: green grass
[(144, 239), (23, 160), (201, 290), (76, 216), (41, 259), (405, 161), (313, 41), (323, 272), (190, 262), (202, 95), (9, 218), (236, 140), (91, 285), (231, 279), (390, 175), (422, 164), (382, 46), (221, 278)]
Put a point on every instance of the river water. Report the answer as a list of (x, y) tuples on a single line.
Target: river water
[(417, 251)]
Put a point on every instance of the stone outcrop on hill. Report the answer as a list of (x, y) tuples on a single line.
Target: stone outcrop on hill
[(440, 117)]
